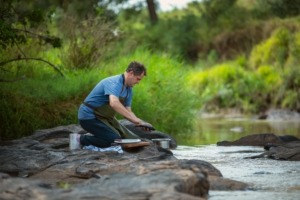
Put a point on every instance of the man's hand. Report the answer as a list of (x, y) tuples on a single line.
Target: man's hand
[(146, 126)]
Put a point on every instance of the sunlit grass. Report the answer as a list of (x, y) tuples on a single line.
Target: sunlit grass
[(162, 98)]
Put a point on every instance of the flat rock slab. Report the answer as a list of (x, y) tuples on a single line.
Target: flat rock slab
[(41, 166)]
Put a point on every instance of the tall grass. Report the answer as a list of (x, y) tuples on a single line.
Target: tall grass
[(38, 103), (162, 98)]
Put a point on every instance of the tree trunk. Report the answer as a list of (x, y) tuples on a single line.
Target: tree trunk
[(152, 11)]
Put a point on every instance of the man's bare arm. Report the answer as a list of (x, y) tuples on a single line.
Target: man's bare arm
[(115, 103)]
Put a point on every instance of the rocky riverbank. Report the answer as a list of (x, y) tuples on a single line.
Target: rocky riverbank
[(41, 166)]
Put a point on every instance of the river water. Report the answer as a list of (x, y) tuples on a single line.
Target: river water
[(267, 179)]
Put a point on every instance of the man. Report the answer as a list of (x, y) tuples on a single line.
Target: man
[(110, 96)]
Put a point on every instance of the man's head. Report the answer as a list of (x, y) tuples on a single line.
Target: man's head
[(135, 72), (137, 68)]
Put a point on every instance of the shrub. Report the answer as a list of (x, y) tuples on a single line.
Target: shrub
[(280, 50), (229, 85), (288, 94), (87, 41), (273, 51)]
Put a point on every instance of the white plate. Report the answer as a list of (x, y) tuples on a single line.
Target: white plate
[(126, 141)]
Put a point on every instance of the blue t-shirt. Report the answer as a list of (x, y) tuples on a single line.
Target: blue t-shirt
[(100, 95)]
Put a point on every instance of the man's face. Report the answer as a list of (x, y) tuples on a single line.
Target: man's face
[(132, 79)]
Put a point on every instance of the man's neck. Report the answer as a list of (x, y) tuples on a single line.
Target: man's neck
[(125, 75)]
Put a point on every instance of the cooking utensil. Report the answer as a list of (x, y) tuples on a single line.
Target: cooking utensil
[(127, 141), (162, 142)]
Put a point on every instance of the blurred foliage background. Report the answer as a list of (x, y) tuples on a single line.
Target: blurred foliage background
[(213, 56)]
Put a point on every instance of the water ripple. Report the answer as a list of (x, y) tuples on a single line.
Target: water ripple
[(269, 178)]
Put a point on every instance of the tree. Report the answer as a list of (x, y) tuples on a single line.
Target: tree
[(284, 8), (29, 20), (152, 11), (18, 24), (17, 21), (213, 9)]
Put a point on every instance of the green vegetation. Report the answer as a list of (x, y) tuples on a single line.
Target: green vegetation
[(38, 103), (214, 55)]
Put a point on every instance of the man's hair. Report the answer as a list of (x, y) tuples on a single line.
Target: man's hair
[(137, 68)]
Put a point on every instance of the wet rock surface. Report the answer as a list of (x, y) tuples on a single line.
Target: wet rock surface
[(262, 139), (282, 147), (282, 114), (286, 151), (41, 166)]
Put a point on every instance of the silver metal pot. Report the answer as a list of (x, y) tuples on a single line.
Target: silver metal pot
[(162, 142)]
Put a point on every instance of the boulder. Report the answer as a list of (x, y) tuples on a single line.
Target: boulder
[(282, 147), (286, 151)]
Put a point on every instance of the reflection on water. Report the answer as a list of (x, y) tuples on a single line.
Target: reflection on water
[(211, 131)]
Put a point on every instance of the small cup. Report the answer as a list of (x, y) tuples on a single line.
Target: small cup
[(74, 144)]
